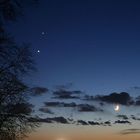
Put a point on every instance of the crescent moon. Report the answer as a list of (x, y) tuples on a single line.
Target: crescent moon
[(117, 108)]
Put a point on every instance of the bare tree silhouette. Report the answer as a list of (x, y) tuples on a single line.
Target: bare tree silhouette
[(11, 9), (15, 61)]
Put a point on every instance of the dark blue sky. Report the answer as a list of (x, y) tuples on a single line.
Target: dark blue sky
[(93, 44)]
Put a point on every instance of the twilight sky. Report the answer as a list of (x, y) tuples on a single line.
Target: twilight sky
[(88, 45)]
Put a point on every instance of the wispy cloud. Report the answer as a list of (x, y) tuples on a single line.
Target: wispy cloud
[(66, 94), (119, 98), (130, 131), (45, 110), (122, 122), (35, 91), (122, 98), (60, 104), (88, 108), (63, 120), (51, 120), (79, 107), (135, 118), (81, 122), (124, 117)]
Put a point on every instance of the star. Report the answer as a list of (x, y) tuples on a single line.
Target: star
[(43, 33), (38, 51)]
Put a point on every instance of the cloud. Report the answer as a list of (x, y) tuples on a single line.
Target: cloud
[(59, 120), (118, 98), (63, 120), (77, 92), (137, 102), (65, 86), (45, 110), (130, 131), (101, 104), (38, 91), (107, 123), (81, 107), (89, 97), (67, 121), (124, 117), (87, 108), (65, 94), (81, 122), (122, 122), (135, 118), (52, 120), (53, 104), (60, 104), (136, 87), (93, 123), (69, 104), (66, 97)]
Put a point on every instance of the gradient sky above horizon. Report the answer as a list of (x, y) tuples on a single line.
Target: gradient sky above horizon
[(95, 45), (92, 44)]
